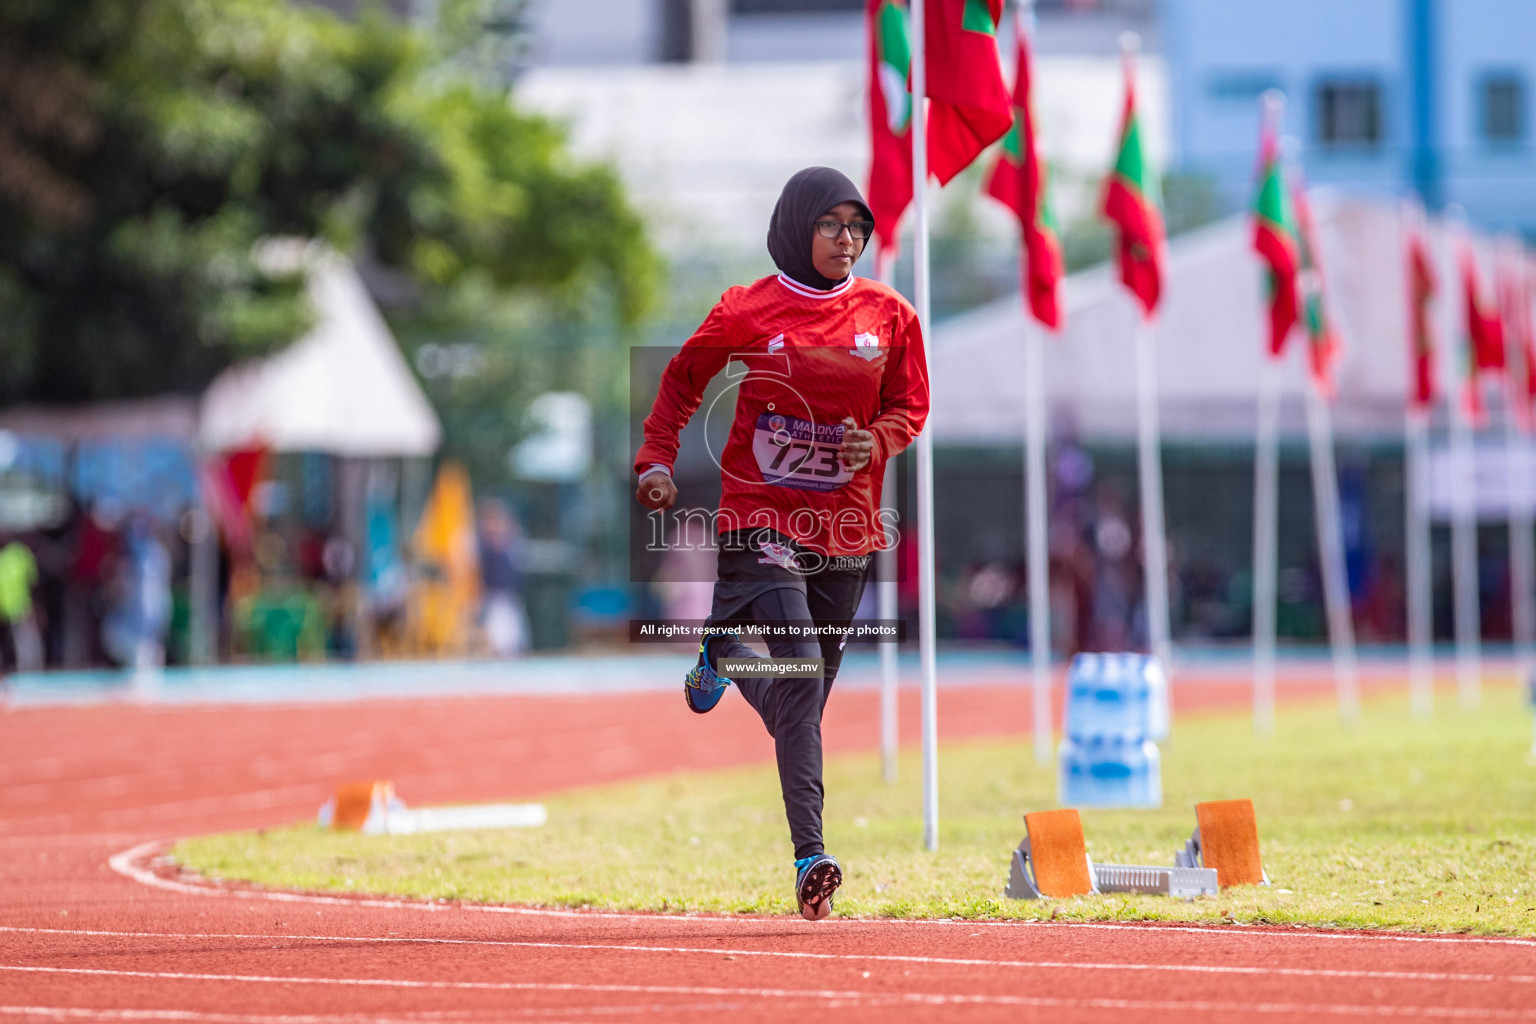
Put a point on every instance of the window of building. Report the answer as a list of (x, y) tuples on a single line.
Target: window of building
[(1241, 86), (1349, 113), (1503, 103)]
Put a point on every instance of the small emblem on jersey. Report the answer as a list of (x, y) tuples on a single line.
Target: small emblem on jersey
[(866, 346), (781, 555), (776, 424), (776, 343)]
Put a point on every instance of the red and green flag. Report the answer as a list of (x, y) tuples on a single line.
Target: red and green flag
[(1020, 181), (1131, 197), (890, 119), (1274, 238), (1421, 292), (1515, 311), (969, 108), (1322, 334), (1485, 336)]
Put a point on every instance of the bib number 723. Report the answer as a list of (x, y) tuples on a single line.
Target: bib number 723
[(794, 453), (826, 463)]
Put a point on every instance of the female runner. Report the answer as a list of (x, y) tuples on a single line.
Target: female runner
[(832, 383)]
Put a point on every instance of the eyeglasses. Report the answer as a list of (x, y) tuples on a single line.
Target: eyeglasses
[(858, 230)]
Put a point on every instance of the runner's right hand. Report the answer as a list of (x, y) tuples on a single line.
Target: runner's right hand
[(656, 491)]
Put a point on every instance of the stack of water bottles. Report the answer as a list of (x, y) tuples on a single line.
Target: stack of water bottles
[(1117, 713)]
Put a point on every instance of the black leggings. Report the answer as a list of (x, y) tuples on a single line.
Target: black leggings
[(791, 708)]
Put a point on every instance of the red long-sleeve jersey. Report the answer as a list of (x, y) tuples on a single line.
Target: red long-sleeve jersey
[(802, 359)]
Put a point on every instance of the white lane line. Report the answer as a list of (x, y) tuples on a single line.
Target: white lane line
[(835, 996), (1040, 965), (428, 1017), (53, 840), (125, 864), (74, 1012)]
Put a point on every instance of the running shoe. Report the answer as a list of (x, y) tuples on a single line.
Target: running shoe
[(818, 879), (703, 686)]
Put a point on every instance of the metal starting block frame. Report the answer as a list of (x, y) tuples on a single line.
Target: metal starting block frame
[(1181, 882)]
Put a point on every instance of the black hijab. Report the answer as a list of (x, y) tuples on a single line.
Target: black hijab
[(806, 196)]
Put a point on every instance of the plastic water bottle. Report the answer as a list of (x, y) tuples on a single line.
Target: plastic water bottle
[(1110, 771), (1117, 706), (1113, 694)]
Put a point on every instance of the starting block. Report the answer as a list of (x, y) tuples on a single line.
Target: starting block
[(360, 806), (1053, 858), (1053, 861), (373, 809), (1226, 839)]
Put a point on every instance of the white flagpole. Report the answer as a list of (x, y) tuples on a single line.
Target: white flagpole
[(926, 602), (1325, 501), (1038, 549), (888, 608), (1266, 499), (1330, 543), (1464, 561), (1421, 669), (1522, 551), (1464, 525), (1150, 465), (1522, 545), (1266, 492)]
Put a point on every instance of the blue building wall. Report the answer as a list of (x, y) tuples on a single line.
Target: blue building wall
[(1222, 54)]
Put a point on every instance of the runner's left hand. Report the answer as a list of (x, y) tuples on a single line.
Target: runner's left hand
[(858, 446)]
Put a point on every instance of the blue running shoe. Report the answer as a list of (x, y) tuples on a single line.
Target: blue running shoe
[(818, 879), (703, 686)]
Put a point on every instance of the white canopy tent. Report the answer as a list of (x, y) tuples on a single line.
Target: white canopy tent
[(344, 388), (1210, 342)]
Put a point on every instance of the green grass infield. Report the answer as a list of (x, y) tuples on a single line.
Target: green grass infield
[(1425, 825)]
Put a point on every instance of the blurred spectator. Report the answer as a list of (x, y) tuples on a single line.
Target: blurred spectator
[(1382, 613), (502, 616), (1115, 576), (134, 631), (96, 541), (20, 649)]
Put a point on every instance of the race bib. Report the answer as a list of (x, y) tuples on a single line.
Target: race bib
[(798, 454)]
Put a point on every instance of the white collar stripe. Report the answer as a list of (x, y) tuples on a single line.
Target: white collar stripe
[(813, 293)]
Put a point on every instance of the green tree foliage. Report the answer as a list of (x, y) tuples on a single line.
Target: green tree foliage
[(147, 147)]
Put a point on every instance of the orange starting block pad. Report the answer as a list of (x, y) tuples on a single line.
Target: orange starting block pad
[(1053, 858), (1053, 861), (361, 806), (1226, 838)]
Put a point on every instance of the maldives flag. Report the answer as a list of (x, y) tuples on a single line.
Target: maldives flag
[(1274, 238), (1020, 181), (969, 107), (890, 119), (1485, 335), (1515, 311), (1322, 336), (1421, 292), (1130, 201)]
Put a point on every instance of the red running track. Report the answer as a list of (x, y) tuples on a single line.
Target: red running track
[(84, 939)]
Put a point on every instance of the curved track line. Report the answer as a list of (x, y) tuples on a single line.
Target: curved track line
[(844, 997), (126, 863), (1046, 965)]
